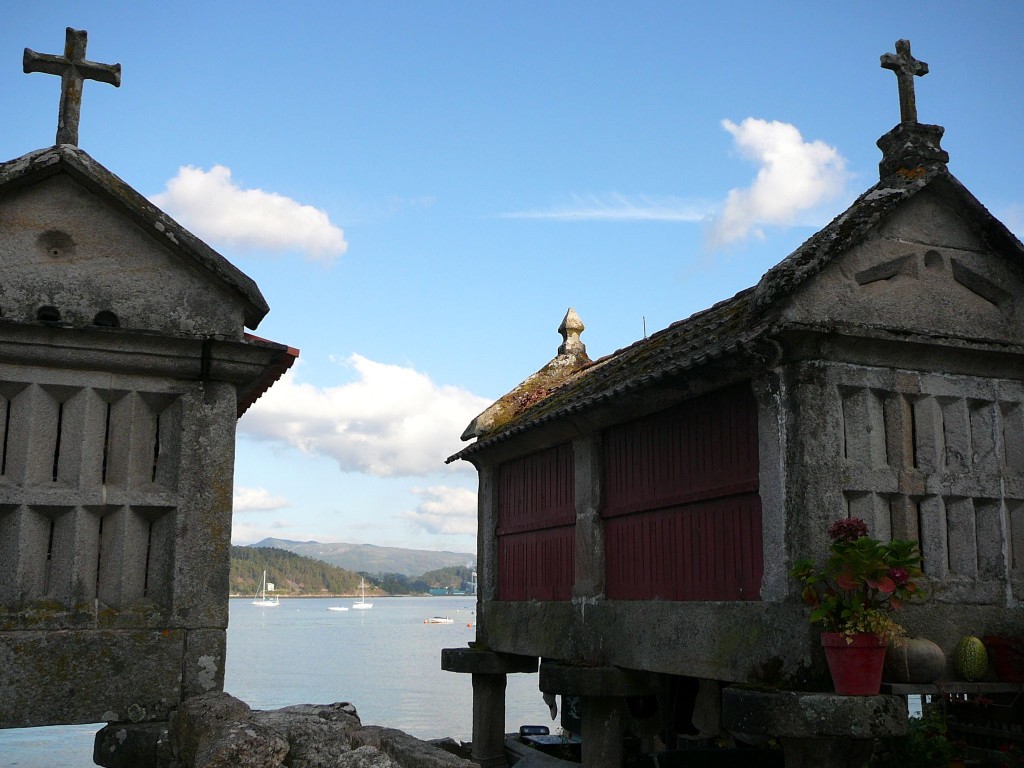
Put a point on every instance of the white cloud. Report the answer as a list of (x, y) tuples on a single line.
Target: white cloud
[(215, 208), (795, 176), (392, 421), (257, 499), (445, 510), (621, 208)]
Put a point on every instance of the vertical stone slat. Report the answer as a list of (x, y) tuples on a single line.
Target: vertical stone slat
[(956, 430), (12, 524), (1015, 522), (123, 557), (35, 437), (989, 536), (929, 435), (934, 534), (984, 427), (961, 536), (118, 435)]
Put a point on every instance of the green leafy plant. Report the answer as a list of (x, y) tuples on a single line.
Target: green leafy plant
[(863, 581), (924, 746)]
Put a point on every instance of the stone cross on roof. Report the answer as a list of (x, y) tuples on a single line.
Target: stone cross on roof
[(73, 70), (906, 67)]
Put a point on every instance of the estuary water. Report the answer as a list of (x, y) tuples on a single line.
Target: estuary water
[(386, 661)]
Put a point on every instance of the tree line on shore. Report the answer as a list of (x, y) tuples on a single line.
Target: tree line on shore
[(297, 575)]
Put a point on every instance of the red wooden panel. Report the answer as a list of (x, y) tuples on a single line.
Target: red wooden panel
[(709, 550), (536, 491), (536, 526), (703, 448), (537, 565)]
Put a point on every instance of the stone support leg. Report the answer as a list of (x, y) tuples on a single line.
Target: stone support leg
[(603, 727), (489, 719), (490, 672)]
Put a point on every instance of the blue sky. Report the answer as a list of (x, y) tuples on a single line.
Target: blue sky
[(421, 190)]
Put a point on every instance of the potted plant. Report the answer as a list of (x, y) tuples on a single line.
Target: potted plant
[(863, 581)]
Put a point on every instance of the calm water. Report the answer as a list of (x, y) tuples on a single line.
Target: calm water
[(385, 661)]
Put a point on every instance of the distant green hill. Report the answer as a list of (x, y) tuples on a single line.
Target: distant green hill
[(291, 574), (367, 558), (457, 577)]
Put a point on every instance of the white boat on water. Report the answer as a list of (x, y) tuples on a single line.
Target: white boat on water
[(261, 597), (361, 604), (337, 608), (439, 620)]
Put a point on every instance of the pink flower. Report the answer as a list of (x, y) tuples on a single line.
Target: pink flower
[(899, 575), (849, 529)]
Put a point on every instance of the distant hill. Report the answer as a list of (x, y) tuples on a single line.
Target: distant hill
[(367, 558), (291, 574)]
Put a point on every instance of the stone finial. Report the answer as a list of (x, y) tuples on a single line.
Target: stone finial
[(571, 328), (910, 149), (906, 68), (73, 70)]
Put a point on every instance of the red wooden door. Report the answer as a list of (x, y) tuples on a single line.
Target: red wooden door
[(682, 510), (536, 526)]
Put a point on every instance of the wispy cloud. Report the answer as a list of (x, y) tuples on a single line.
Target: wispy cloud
[(391, 421), (257, 499), (794, 177), (444, 510), (621, 208), (217, 209)]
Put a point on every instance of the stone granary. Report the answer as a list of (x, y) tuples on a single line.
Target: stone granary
[(639, 514), (124, 365)]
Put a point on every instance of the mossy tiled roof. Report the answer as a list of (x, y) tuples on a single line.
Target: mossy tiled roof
[(732, 326)]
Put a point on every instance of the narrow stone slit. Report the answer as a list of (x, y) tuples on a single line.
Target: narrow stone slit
[(106, 445), (844, 418), (156, 449), (7, 434), (149, 550), (99, 556), (56, 443), (913, 436), (49, 559)]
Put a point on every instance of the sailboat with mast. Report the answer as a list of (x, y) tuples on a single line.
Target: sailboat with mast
[(361, 604), (261, 597)]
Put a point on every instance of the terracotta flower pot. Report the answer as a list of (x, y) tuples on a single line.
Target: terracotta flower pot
[(856, 666)]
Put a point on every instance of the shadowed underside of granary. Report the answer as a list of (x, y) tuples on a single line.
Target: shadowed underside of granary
[(639, 514)]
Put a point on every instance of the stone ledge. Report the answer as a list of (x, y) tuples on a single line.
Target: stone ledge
[(602, 681), (791, 714), (477, 661)]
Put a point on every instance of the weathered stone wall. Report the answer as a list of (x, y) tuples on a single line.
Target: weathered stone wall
[(123, 360)]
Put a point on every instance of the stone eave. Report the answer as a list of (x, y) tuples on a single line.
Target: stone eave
[(77, 163), (252, 364)]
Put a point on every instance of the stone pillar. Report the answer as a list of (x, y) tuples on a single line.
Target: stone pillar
[(589, 490), (487, 537), (489, 719), (817, 730), (489, 670), (603, 691)]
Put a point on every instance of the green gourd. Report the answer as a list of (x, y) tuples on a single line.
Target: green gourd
[(970, 659)]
